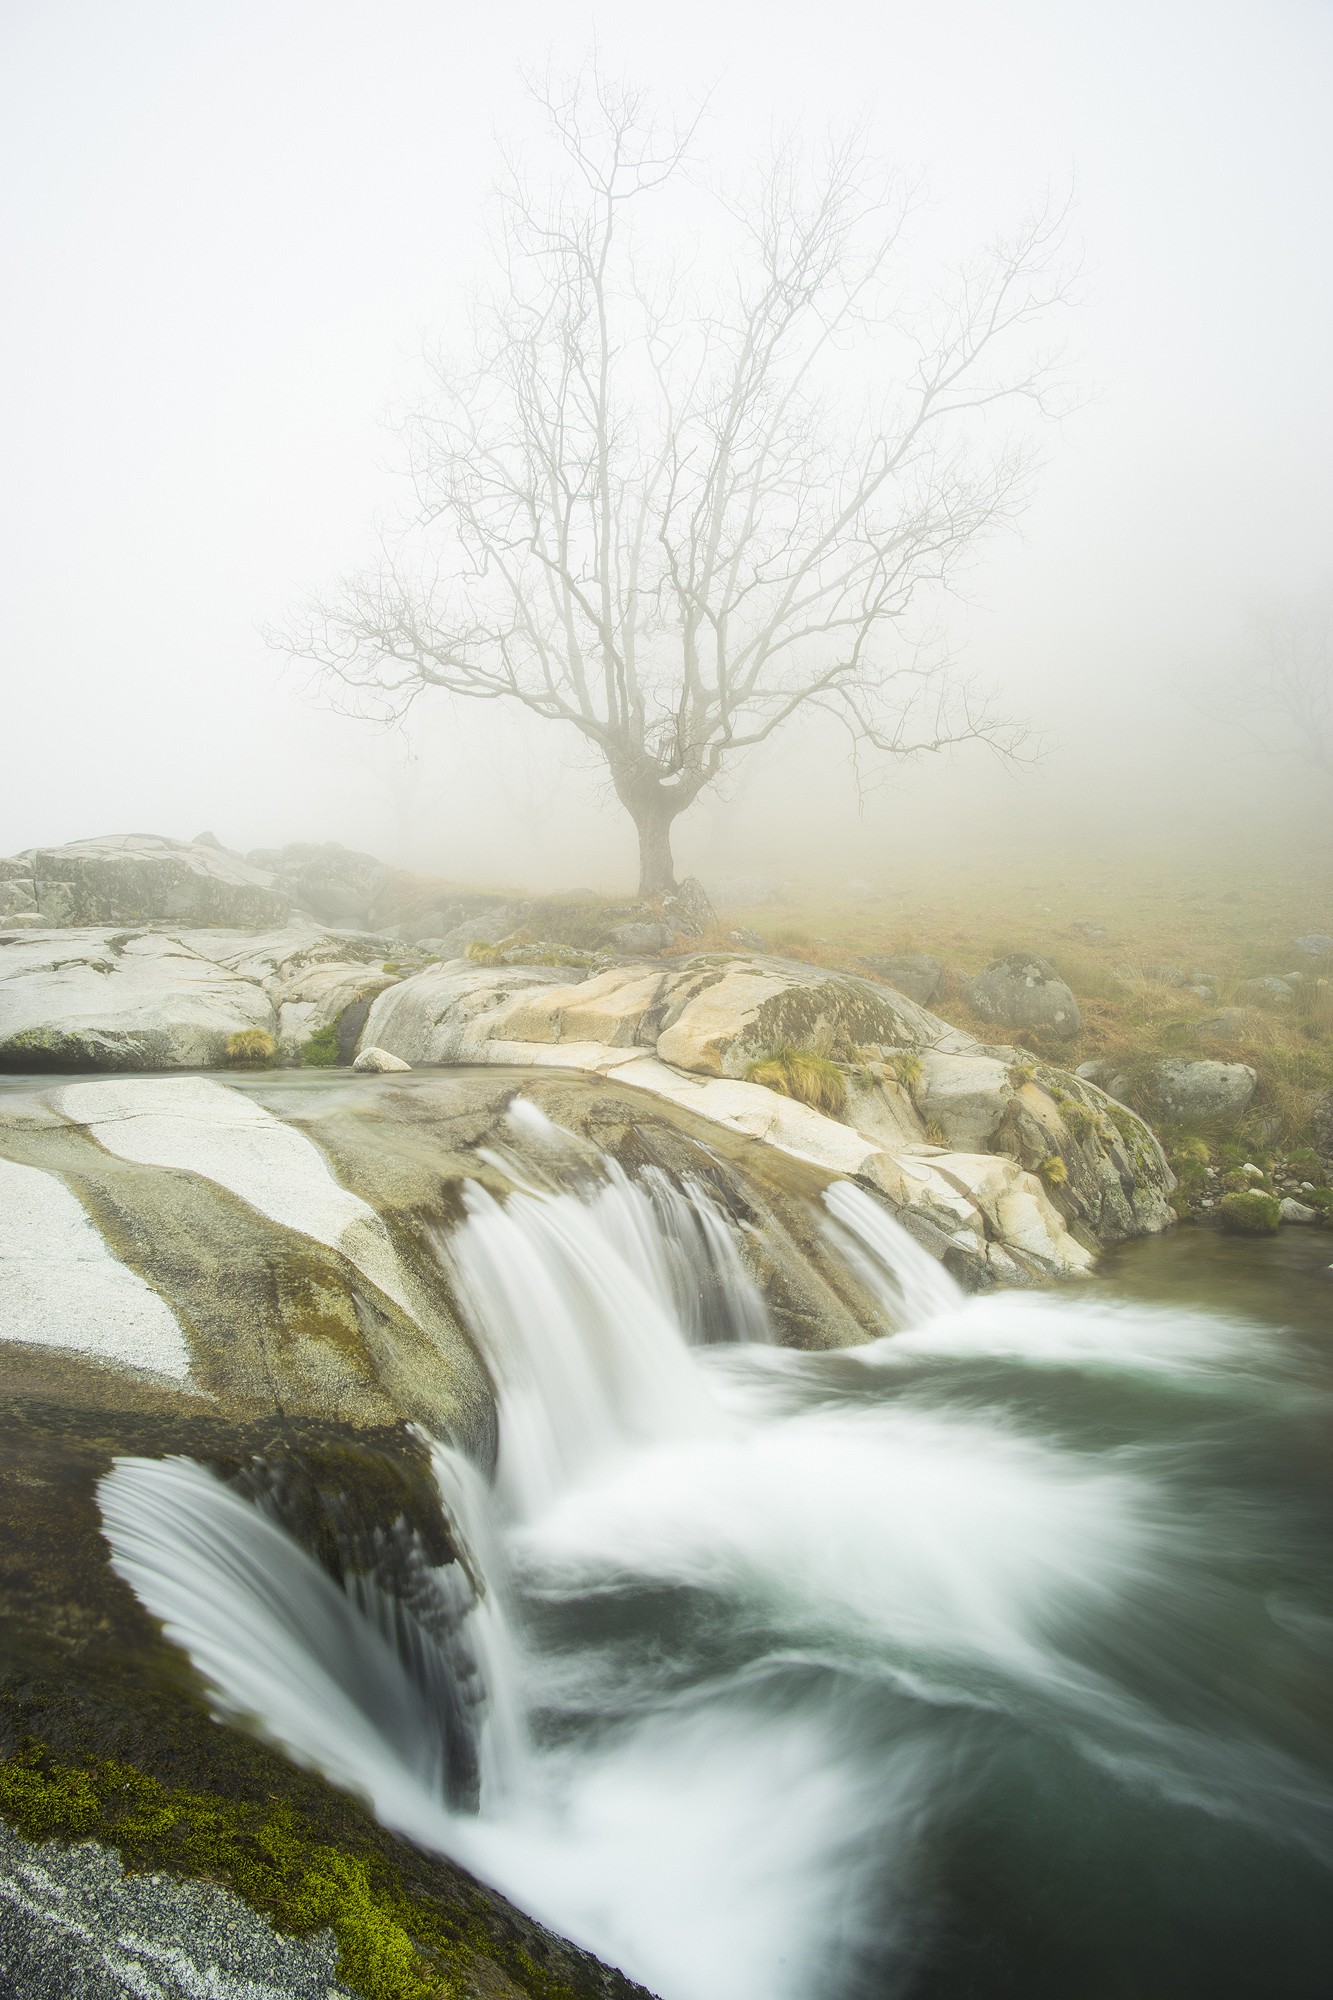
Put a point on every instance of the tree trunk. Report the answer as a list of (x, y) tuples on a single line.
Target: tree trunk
[(657, 874)]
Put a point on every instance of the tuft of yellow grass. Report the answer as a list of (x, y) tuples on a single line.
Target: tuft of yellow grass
[(800, 1073), (251, 1045)]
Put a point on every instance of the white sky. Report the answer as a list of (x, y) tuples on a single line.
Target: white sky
[(223, 227)]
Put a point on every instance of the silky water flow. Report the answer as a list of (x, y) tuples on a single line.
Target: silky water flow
[(991, 1657)]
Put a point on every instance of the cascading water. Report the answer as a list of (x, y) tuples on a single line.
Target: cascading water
[(991, 1657)]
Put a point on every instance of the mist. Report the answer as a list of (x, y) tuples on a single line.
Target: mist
[(227, 233)]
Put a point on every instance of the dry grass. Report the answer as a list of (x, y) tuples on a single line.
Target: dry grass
[(1231, 919), (800, 1073)]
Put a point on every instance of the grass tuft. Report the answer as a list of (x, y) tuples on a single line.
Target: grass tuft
[(800, 1073), (251, 1046)]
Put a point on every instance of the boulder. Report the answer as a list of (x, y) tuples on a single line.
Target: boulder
[(1321, 1123), (1023, 991), (1185, 1091), (379, 1062), (1266, 991), (1228, 1024), (1315, 944), (639, 940), (688, 909), (965, 1096), (139, 878), (334, 883), (914, 973), (1291, 1210)]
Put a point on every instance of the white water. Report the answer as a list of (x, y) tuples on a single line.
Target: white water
[(743, 1658)]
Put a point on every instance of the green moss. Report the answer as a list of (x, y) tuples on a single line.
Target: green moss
[(800, 1073), (1249, 1214), (260, 1851), (321, 1051)]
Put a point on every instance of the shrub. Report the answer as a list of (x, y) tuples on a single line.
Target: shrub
[(251, 1045), (1053, 1171), (321, 1051), (800, 1073), (1249, 1214)]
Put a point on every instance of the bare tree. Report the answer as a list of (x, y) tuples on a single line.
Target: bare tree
[(674, 513), (1282, 696)]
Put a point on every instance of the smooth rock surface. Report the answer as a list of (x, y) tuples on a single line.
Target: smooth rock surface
[(138, 877)]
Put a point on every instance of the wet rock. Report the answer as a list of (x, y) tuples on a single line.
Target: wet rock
[(1023, 991)]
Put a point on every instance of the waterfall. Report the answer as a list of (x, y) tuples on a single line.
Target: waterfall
[(970, 1664)]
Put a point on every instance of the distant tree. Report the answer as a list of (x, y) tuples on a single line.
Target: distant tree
[(1281, 695), (675, 504)]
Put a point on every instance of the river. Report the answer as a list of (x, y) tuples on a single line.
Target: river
[(994, 1658)]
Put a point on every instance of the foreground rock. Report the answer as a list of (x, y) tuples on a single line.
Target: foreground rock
[(1013, 1172), (142, 998)]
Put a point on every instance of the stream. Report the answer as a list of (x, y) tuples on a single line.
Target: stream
[(994, 1657)]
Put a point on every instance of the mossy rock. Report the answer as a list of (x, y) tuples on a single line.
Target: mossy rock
[(1252, 1214)]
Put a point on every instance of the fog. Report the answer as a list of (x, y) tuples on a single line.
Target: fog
[(227, 229)]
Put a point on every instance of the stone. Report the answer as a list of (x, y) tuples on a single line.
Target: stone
[(1023, 991), (1266, 991), (137, 878), (492, 927), (1167, 975), (1315, 944), (334, 883), (914, 973), (965, 1096), (749, 940), (1089, 930), (688, 909), (688, 1031), (85, 999), (1291, 1210), (1228, 1024), (641, 939), (1321, 1122), (379, 1062), (134, 999), (1187, 1090)]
